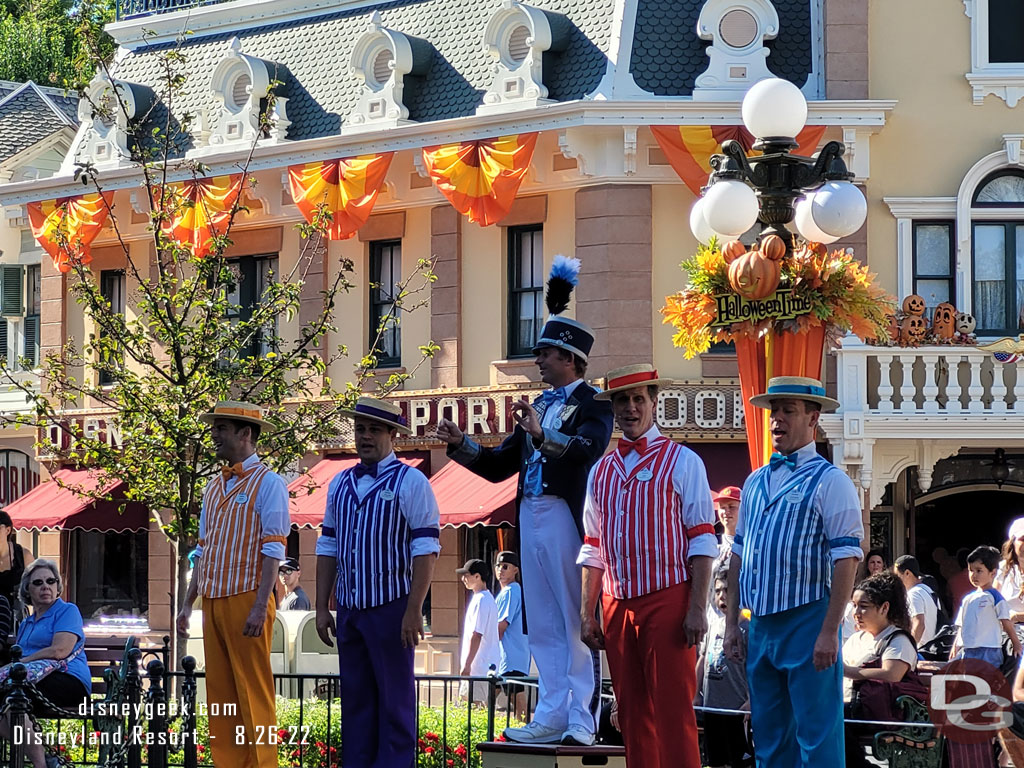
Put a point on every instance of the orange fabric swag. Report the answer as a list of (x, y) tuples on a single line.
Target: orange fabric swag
[(689, 148), (199, 210), (481, 178), (65, 227), (347, 188)]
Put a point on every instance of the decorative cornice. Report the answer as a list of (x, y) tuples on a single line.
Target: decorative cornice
[(918, 207), (869, 114)]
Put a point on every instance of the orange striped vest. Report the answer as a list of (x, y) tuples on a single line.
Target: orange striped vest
[(231, 559)]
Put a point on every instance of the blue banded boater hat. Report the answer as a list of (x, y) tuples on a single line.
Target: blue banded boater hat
[(794, 388), (381, 411), (568, 334)]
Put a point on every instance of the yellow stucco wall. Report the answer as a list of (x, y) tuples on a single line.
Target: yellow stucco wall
[(483, 300)]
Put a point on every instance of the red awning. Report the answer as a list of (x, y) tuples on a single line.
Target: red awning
[(310, 488), (51, 506), (468, 499)]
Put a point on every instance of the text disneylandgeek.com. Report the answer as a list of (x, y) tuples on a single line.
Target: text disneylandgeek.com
[(140, 734)]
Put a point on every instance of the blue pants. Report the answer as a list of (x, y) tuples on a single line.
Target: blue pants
[(378, 695), (796, 712)]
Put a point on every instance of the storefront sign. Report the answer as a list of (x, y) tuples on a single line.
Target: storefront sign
[(59, 437), (19, 474), (781, 305)]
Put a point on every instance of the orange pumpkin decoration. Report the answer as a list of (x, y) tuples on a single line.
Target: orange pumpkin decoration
[(733, 250), (773, 247), (753, 276)]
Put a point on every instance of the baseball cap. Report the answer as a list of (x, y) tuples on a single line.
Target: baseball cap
[(729, 493), (507, 557), (473, 565), (291, 563)]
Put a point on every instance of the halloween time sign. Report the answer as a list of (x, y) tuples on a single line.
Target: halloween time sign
[(782, 305)]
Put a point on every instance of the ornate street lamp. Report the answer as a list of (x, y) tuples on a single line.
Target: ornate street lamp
[(778, 187)]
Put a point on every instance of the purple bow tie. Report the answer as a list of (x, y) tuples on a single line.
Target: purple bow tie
[(365, 469)]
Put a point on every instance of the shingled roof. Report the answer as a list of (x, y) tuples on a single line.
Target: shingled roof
[(28, 114)]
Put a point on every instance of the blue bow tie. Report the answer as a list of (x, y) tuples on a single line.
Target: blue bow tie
[(778, 460), (556, 395), (365, 469)]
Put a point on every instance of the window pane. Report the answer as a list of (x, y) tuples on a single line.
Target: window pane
[(527, 322), (990, 275), (1019, 279), (932, 249), (1005, 31), (934, 292), (1002, 189)]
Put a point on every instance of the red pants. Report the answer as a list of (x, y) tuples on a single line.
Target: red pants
[(654, 676)]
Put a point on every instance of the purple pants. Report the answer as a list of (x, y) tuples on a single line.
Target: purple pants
[(378, 695)]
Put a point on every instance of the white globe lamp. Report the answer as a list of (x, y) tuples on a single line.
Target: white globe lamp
[(804, 222), (839, 208), (774, 108), (730, 207), (699, 226)]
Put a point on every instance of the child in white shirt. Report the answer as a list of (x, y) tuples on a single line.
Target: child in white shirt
[(984, 613), (481, 650)]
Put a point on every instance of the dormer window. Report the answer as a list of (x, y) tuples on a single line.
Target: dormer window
[(737, 54), (518, 36), (387, 62), (243, 85), (105, 113)]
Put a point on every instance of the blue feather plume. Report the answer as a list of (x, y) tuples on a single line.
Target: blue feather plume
[(562, 279)]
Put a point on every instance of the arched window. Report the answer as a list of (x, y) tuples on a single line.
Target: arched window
[(997, 252)]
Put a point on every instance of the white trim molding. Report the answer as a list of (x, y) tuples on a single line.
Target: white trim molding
[(907, 210), (737, 55), (1003, 80)]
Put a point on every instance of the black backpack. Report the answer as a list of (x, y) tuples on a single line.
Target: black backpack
[(941, 617)]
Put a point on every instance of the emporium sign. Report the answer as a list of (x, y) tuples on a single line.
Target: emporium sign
[(782, 305)]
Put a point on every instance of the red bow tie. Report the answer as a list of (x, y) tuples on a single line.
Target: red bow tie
[(625, 446), (231, 470)]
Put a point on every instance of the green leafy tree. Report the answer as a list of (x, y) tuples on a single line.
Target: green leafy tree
[(185, 342)]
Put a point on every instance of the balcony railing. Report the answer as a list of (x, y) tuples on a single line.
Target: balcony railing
[(131, 9), (955, 380)]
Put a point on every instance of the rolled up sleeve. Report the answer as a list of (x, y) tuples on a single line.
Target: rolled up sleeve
[(590, 552), (327, 543), (419, 505), (277, 524), (690, 481), (841, 515)]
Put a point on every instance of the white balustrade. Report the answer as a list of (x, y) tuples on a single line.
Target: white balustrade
[(928, 381)]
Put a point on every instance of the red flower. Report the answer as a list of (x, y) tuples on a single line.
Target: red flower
[(500, 737), (461, 750), (421, 743), (431, 736), (451, 762), (428, 751), (282, 733)]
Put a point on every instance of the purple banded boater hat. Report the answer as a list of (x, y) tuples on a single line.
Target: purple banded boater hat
[(378, 410)]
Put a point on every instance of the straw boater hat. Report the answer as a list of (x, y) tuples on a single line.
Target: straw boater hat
[(630, 377), (381, 411), (237, 410), (794, 388)]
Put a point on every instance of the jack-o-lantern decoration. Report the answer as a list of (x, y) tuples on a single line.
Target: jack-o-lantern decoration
[(944, 321), (773, 247), (755, 276), (965, 324), (733, 250), (912, 331), (913, 305)]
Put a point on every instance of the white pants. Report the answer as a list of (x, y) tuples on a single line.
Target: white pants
[(552, 583)]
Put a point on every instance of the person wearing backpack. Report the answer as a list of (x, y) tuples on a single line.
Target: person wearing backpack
[(877, 658), (1010, 577), (921, 601)]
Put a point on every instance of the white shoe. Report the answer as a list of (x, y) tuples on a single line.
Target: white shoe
[(534, 733), (577, 736)]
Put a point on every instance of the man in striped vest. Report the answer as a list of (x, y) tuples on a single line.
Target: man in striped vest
[(377, 549), (649, 540), (797, 546), (242, 533)]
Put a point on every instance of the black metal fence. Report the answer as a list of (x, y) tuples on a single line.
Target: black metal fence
[(155, 717), (128, 9)]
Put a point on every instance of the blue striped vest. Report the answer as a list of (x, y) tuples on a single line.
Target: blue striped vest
[(786, 554), (374, 563)]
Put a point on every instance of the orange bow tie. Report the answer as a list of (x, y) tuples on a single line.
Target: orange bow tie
[(231, 470), (625, 446)]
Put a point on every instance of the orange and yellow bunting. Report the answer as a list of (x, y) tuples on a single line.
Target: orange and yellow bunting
[(66, 226), (346, 189), (481, 178), (689, 148), (198, 210)]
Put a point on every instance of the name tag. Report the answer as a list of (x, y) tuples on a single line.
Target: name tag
[(387, 494), (241, 498), (795, 497), (644, 475)]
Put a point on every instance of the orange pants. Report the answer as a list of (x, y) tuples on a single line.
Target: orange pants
[(654, 677), (238, 673)]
